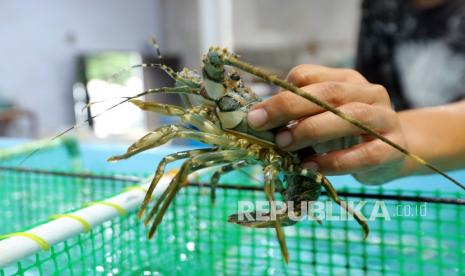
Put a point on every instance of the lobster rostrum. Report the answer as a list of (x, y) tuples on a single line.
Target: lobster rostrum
[(220, 120)]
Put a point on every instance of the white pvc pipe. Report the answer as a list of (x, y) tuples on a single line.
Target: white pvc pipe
[(15, 248)]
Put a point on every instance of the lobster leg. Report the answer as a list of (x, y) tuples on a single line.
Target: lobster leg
[(155, 208), (334, 196), (187, 116), (223, 170), (191, 165), (201, 123), (161, 169), (271, 174), (163, 109), (166, 133), (152, 139)]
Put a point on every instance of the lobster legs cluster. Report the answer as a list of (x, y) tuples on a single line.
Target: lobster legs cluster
[(229, 151)]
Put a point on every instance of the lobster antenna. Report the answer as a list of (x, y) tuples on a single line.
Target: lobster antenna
[(116, 75), (155, 45), (71, 128), (102, 101), (126, 99), (229, 59), (154, 42), (184, 98)]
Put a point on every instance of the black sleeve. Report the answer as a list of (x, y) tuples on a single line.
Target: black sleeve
[(375, 53)]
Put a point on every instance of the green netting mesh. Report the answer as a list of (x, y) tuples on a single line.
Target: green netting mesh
[(30, 197), (195, 239)]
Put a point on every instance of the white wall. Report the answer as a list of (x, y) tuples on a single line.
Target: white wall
[(286, 33), (271, 28), (181, 30), (274, 23), (39, 41)]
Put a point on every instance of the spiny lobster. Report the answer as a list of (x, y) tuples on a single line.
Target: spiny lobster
[(220, 120)]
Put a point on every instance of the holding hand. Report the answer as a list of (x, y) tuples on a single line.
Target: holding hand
[(342, 148)]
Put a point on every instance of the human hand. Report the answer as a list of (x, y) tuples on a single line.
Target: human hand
[(342, 148)]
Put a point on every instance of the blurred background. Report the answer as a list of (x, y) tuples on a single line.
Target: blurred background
[(57, 56)]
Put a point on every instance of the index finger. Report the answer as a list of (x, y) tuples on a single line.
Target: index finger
[(306, 74), (287, 106)]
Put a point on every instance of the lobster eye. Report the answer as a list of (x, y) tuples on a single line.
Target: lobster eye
[(235, 76)]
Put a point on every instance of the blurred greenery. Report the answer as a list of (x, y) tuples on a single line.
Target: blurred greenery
[(111, 66)]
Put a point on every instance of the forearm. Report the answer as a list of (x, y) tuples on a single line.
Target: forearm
[(437, 134)]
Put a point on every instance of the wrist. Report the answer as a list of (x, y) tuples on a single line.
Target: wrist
[(409, 165)]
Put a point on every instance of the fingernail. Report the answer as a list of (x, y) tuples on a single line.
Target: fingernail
[(257, 117), (284, 139), (292, 124), (311, 166)]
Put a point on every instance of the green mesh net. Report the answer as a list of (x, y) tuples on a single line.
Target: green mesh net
[(421, 237), (195, 238), (29, 197)]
